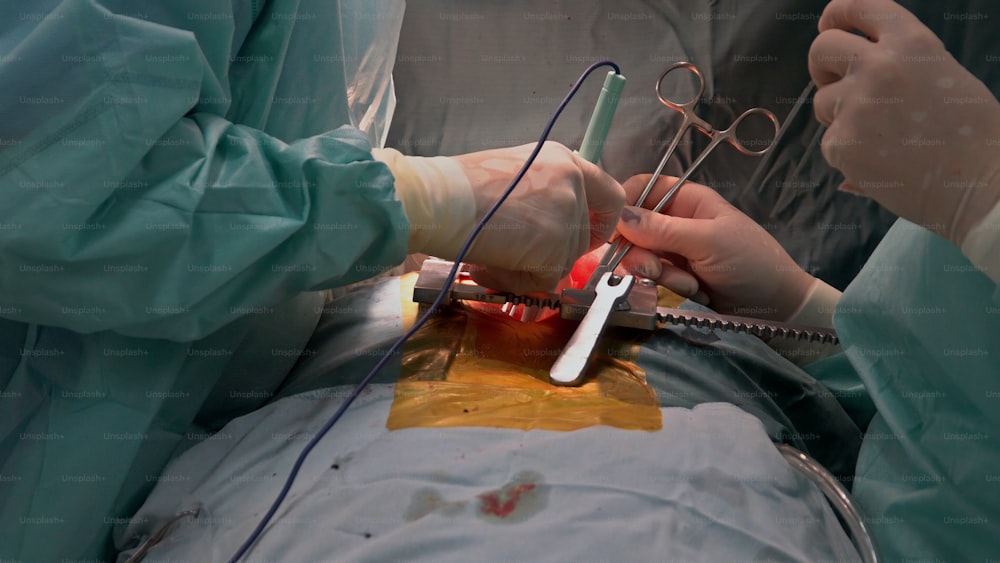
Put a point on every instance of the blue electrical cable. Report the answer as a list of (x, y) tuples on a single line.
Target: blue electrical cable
[(255, 535)]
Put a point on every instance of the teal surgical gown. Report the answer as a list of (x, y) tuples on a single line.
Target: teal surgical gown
[(179, 180), (921, 330)]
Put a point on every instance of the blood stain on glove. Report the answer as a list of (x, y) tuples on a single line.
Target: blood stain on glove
[(522, 498)]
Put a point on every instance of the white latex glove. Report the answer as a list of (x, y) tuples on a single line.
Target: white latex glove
[(562, 208), (908, 126), (642, 263), (740, 267)]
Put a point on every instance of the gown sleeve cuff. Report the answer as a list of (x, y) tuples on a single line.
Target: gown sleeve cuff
[(816, 311), (982, 245), (817, 308), (437, 198)]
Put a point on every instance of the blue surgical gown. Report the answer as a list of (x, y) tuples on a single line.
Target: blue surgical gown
[(921, 329), (179, 181)]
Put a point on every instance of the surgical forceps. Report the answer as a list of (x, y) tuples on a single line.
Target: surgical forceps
[(620, 247)]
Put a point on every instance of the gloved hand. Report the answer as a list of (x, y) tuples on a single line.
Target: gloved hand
[(740, 267), (642, 263), (563, 207), (908, 126)]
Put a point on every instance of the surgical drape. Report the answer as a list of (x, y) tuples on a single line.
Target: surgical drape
[(920, 325), (176, 177)]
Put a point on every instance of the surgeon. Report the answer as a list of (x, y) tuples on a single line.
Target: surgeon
[(916, 132), (180, 181)]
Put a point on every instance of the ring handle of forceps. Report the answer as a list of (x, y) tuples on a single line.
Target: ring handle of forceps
[(691, 119), (730, 135), (620, 247)]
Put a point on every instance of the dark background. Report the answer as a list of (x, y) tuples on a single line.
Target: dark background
[(474, 75)]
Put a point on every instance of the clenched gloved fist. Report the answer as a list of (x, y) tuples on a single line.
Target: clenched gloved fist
[(907, 125), (562, 208)]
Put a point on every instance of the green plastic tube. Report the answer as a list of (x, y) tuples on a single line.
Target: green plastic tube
[(600, 121)]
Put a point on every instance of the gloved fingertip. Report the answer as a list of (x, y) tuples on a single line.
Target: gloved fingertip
[(701, 298), (684, 288), (691, 289), (678, 281), (642, 263), (601, 233)]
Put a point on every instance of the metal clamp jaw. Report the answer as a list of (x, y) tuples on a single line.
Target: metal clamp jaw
[(638, 310), (611, 295), (612, 301)]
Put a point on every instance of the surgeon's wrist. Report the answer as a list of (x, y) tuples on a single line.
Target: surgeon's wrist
[(817, 307), (982, 244), (437, 198), (816, 310), (977, 201)]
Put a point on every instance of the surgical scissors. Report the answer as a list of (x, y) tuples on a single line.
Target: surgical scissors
[(620, 247)]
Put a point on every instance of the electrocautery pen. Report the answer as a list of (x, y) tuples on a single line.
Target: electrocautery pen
[(600, 121)]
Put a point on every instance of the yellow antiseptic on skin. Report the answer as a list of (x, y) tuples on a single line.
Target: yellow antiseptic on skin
[(472, 365)]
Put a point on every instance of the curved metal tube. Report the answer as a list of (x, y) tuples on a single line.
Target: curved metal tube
[(837, 495)]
